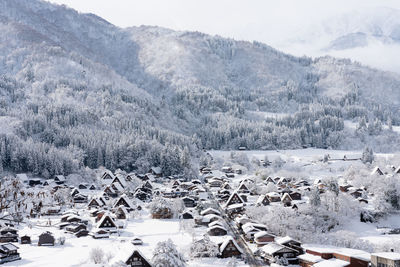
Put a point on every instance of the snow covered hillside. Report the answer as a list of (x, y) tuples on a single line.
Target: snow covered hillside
[(88, 93)]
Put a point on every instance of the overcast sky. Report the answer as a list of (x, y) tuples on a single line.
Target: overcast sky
[(239, 19)]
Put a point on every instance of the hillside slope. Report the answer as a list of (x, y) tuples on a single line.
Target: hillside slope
[(80, 91)]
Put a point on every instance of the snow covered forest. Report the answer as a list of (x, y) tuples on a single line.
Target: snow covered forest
[(77, 91)]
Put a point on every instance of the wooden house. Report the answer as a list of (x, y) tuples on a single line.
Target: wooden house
[(107, 223), (137, 241), (46, 239), (286, 199), (295, 195), (262, 200), (229, 248), (92, 187), (8, 234), (59, 179), (271, 251), (234, 199), (80, 198), (8, 253), (82, 233), (136, 259), (263, 237), (377, 171), (217, 230), (100, 233), (107, 175), (189, 202), (95, 203), (74, 228), (291, 243), (124, 201), (274, 197), (243, 188), (82, 186), (187, 215), (210, 211), (156, 171), (121, 213), (25, 239)]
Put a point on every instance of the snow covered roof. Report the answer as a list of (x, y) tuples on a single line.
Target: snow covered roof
[(272, 248), (156, 170), (283, 240), (22, 177), (209, 217), (118, 186), (310, 258), (387, 255), (273, 194), (350, 252), (217, 227), (332, 263), (103, 218), (226, 242), (261, 234), (211, 211), (60, 178)]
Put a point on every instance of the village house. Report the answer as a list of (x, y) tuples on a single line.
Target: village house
[(217, 230), (351, 257), (377, 171), (136, 259), (262, 200), (8, 234), (107, 175), (121, 213), (229, 248), (186, 215), (25, 239), (100, 233), (189, 202), (8, 253), (156, 171), (385, 259), (107, 223), (262, 238), (271, 251), (210, 211), (234, 199), (124, 201), (291, 243), (46, 239), (137, 241), (286, 200), (96, 203), (295, 195), (274, 197), (59, 179)]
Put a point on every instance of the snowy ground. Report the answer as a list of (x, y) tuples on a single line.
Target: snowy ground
[(76, 251)]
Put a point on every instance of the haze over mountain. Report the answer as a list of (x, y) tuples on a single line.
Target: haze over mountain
[(78, 91), (368, 35)]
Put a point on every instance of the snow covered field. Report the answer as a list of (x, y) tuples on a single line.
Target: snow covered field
[(76, 251)]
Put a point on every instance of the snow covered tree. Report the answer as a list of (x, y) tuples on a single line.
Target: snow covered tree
[(367, 155), (315, 199), (96, 255), (204, 248), (166, 255)]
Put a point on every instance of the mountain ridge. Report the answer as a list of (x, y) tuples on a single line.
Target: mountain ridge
[(94, 94)]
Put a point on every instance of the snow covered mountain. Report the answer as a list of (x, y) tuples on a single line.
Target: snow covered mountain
[(83, 91), (371, 36)]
